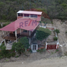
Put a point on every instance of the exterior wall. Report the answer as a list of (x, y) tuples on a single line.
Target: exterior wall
[(19, 17), (38, 17)]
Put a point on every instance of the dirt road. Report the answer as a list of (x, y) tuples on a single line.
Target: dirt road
[(52, 62)]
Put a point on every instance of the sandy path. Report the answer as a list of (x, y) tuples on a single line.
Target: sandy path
[(52, 62)]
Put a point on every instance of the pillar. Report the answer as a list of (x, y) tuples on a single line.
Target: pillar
[(29, 40), (20, 31), (3, 33), (29, 33), (16, 35), (5, 42)]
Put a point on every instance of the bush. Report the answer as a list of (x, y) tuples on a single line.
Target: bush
[(21, 45), (29, 50), (66, 32), (55, 38), (57, 31), (5, 53), (41, 50)]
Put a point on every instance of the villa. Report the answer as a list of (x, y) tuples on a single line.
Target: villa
[(26, 24)]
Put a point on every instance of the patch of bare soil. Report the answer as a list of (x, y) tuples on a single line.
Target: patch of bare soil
[(62, 26)]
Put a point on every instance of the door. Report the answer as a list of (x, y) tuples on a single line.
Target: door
[(51, 47), (34, 47)]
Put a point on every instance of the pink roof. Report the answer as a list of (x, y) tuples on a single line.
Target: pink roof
[(30, 12), (26, 24)]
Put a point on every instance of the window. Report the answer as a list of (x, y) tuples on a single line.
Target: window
[(26, 15), (24, 30), (35, 16), (19, 14)]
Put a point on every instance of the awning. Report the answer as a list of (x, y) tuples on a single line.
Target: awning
[(22, 23)]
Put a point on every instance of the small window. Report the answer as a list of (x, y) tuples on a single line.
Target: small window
[(24, 30), (26, 15), (19, 14), (35, 16)]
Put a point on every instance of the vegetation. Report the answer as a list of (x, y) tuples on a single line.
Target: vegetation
[(5, 53), (41, 50), (4, 24), (57, 31), (54, 8), (55, 38), (21, 45), (42, 33)]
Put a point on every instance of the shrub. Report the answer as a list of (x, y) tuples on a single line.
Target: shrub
[(21, 45), (41, 50), (55, 38), (57, 31), (66, 32), (5, 53), (29, 50)]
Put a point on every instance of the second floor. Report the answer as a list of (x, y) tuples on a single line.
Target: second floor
[(29, 14)]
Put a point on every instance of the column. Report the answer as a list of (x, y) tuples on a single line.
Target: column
[(16, 35), (3, 32), (29, 40), (20, 31), (5, 42), (46, 46), (29, 33)]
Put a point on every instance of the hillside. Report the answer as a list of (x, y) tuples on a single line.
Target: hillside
[(54, 8)]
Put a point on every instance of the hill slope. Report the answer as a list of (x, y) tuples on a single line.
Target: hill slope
[(54, 8)]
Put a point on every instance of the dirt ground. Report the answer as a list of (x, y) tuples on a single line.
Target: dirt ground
[(33, 56), (62, 26), (52, 62), (27, 60)]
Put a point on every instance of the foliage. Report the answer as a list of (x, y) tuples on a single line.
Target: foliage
[(57, 50), (57, 31), (4, 24), (42, 33), (41, 50), (25, 42), (44, 10), (55, 38), (18, 47), (21, 45), (54, 8), (66, 32), (5, 53), (29, 50)]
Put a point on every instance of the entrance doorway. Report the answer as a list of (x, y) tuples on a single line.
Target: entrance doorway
[(34, 47)]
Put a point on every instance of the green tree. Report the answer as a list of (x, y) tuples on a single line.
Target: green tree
[(25, 42), (21, 45)]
